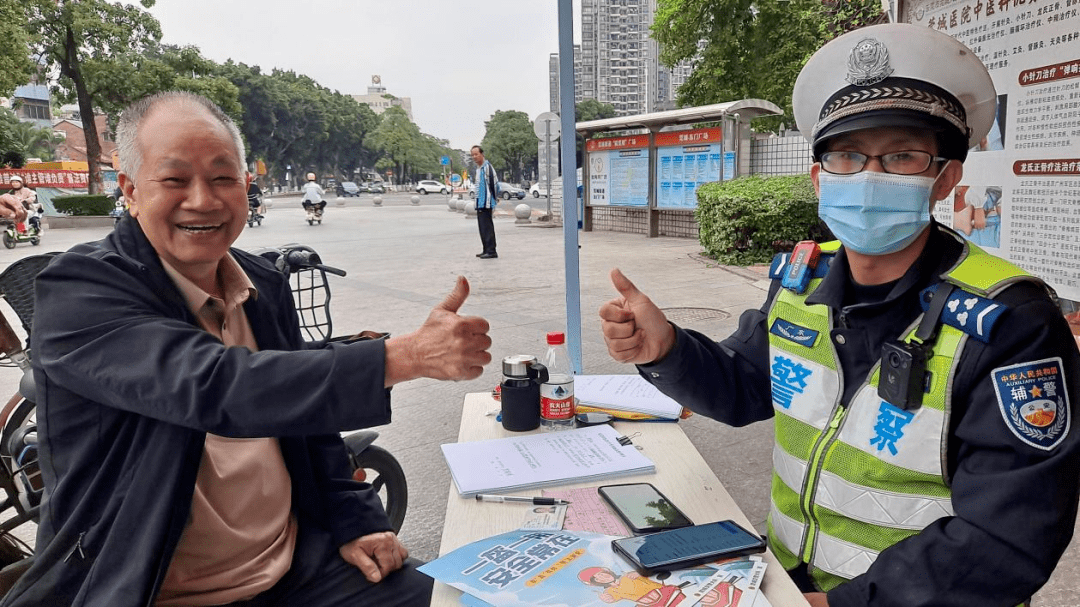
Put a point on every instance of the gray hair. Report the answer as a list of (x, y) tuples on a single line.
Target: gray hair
[(127, 132)]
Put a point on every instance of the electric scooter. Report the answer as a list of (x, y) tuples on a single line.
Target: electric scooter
[(314, 211), (27, 231)]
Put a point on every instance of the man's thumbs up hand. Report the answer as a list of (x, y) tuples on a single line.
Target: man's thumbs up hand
[(446, 346), (635, 330)]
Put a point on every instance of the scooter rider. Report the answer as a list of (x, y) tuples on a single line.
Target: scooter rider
[(28, 199), (313, 195)]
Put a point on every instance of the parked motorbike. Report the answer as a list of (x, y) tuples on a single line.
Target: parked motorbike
[(118, 210), (25, 231), (314, 211)]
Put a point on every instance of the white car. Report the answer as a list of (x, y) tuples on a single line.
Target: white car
[(536, 191), (428, 186)]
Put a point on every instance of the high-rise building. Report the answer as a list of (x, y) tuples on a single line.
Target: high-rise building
[(553, 78), (619, 59)]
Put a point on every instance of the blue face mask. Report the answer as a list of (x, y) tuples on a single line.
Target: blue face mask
[(875, 213)]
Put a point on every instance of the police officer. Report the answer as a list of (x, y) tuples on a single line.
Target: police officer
[(922, 389)]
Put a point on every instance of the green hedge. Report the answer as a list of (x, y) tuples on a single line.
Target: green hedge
[(750, 219), (84, 204)]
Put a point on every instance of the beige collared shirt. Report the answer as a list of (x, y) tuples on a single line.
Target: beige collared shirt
[(240, 536)]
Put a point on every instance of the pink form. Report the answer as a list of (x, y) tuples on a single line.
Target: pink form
[(588, 512)]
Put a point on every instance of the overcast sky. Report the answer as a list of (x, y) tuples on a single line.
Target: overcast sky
[(459, 62)]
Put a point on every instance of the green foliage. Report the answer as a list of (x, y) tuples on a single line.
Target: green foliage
[(12, 150), (749, 219), (510, 143), (16, 68), (35, 141), (744, 49), (591, 109), (70, 35), (84, 204)]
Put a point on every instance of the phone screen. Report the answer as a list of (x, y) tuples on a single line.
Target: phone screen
[(643, 508), (689, 545)]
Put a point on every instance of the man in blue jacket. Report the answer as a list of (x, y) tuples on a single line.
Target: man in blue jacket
[(190, 445), (487, 198)]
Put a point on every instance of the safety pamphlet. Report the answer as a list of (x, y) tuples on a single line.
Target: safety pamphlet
[(537, 460), (628, 394), (578, 569)]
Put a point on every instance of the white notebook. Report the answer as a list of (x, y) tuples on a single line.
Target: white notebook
[(625, 393), (509, 464)]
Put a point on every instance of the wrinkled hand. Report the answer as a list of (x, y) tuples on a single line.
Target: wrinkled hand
[(635, 330), (817, 599), (375, 555), (446, 346), (11, 208)]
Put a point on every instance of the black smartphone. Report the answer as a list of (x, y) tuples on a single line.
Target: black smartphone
[(687, 546), (643, 508)]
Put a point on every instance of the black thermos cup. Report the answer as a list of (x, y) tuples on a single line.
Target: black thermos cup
[(522, 377)]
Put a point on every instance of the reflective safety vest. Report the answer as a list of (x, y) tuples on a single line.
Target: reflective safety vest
[(848, 482)]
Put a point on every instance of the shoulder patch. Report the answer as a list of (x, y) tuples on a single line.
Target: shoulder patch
[(1034, 402)]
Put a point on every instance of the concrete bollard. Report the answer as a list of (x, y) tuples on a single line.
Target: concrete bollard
[(470, 211), (522, 212), (415, 200), (452, 204), (377, 201), (460, 206), (339, 201)]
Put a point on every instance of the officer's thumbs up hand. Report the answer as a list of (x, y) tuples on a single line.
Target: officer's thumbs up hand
[(446, 346), (635, 330)]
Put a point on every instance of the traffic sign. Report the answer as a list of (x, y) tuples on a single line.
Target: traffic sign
[(444, 160), (547, 127)]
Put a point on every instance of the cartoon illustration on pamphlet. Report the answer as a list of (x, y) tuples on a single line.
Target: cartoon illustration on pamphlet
[(645, 591)]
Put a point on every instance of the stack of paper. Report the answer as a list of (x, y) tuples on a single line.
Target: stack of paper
[(503, 465), (628, 393)]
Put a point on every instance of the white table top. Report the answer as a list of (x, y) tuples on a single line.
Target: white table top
[(681, 474)]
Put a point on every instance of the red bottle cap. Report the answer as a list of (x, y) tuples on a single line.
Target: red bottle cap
[(556, 338)]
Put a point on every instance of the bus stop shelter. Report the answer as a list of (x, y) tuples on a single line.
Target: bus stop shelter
[(641, 173)]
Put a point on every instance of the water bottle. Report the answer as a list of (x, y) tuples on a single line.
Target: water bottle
[(557, 393)]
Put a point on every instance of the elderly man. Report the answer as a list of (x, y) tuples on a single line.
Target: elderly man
[(189, 442), (922, 389)]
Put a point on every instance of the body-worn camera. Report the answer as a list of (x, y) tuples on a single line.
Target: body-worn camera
[(903, 371)]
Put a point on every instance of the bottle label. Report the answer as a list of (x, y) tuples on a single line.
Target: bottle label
[(557, 401)]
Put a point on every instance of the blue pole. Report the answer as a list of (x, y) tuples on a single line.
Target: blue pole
[(569, 184)]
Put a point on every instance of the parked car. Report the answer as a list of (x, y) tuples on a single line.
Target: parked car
[(348, 188), (537, 191), (376, 187), (508, 191), (428, 186)]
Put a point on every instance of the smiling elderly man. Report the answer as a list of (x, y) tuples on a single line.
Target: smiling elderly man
[(189, 442)]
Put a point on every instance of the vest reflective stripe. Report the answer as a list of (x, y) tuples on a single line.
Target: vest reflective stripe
[(870, 474), (875, 506)]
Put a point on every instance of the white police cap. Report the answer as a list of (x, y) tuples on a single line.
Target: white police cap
[(895, 74)]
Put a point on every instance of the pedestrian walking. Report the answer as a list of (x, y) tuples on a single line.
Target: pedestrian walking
[(487, 196)]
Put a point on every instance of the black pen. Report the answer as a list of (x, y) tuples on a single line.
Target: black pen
[(536, 501)]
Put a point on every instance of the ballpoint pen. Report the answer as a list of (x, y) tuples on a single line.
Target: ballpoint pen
[(536, 501)]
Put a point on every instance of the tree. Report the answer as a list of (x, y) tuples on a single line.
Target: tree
[(16, 68), (399, 140), (35, 141), (588, 109), (68, 34), (509, 142), (12, 151), (751, 49)]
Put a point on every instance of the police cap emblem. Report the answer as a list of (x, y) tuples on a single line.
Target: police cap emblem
[(868, 63)]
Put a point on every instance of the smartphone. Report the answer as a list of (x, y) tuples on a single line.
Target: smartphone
[(687, 546), (643, 508)]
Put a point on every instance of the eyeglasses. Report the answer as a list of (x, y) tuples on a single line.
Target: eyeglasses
[(907, 162)]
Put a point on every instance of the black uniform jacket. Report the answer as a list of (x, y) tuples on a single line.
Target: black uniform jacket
[(1015, 505), (128, 387)]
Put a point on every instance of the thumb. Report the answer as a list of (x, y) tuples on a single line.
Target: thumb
[(624, 286), (456, 297)]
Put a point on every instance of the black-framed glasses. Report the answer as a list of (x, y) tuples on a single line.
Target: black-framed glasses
[(905, 162)]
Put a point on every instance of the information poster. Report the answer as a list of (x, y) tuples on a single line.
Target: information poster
[(1020, 196), (685, 160), (619, 171)]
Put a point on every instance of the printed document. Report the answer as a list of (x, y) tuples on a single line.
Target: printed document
[(537, 460), (625, 392)]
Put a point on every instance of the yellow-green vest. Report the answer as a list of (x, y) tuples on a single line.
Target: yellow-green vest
[(848, 482)]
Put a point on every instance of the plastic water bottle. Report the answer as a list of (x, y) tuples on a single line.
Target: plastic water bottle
[(557, 393)]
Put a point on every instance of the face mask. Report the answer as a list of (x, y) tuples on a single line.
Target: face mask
[(875, 213)]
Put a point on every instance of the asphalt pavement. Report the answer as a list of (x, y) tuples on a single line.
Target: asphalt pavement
[(402, 259)]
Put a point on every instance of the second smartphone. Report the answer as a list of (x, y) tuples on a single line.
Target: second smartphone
[(643, 508)]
